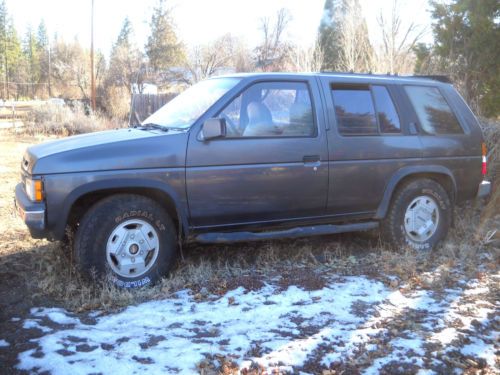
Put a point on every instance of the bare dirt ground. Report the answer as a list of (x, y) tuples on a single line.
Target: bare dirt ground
[(343, 304)]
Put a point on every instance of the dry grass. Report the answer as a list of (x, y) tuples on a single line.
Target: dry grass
[(47, 270), (64, 120)]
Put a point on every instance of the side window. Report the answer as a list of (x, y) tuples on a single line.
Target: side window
[(271, 109), (388, 118), (434, 113), (354, 110)]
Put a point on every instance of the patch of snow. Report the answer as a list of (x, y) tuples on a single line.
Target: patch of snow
[(3, 343), (404, 351), (57, 315), (232, 324), (279, 330), (478, 348), (35, 324), (445, 336), (15, 319)]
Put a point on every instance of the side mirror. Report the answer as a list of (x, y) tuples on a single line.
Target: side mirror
[(213, 128)]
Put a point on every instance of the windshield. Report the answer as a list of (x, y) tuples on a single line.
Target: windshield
[(186, 108)]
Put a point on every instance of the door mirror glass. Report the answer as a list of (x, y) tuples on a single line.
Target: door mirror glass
[(213, 128)]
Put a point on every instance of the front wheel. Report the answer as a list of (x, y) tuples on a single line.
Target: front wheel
[(128, 238), (419, 215)]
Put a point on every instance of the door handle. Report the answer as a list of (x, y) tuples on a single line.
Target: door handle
[(309, 159)]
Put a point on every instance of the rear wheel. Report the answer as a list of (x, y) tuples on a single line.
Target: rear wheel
[(419, 215), (128, 238)]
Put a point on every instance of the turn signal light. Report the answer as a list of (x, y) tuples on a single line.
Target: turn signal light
[(38, 190)]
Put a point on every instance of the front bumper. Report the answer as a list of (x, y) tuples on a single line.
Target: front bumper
[(484, 189), (33, 214)]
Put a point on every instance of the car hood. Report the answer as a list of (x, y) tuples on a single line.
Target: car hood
[(107, 150)]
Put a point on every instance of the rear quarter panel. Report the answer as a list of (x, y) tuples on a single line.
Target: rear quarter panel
[(460, 153)]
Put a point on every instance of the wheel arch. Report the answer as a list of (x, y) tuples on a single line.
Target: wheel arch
[(83, 197), (440, 174)]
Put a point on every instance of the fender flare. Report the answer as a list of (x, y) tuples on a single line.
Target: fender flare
[(404, 172), (128, 183)]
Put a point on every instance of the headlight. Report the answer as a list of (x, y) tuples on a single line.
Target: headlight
[(34, 190)]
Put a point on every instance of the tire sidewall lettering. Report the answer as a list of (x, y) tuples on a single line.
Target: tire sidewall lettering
[(130, 284), (140, 214), (436, 196)]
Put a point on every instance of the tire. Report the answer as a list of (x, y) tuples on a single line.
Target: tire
[(419, 216), (127, 238)]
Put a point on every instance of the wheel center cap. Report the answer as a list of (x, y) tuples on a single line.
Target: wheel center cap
[(133, 249)]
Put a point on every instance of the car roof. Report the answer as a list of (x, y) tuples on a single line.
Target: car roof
[(351, 77)]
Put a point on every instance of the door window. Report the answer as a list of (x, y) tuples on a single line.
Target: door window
[(271, 109), (354, 110), (365, 110)]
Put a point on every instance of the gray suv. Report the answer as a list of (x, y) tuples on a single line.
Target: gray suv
[(258, 157)]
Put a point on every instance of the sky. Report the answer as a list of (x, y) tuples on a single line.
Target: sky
[(197, 21)]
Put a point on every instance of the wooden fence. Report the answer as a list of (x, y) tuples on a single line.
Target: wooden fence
[(143, 105)]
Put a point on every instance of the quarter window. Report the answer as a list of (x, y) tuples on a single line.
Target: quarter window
[(386, 111), (434, 113), (271, 109)]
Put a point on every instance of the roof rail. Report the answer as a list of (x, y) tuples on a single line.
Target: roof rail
[(440, 78)]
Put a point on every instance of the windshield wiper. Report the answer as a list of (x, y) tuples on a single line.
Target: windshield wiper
[(150, 126)]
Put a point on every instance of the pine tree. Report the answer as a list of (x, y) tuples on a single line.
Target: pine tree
[(42, 40), (125, 33), (467, 40), (329, 36), (13, 57), (125, 60), (124, 72), (3, 47), (343, 37), (42, 37), (163, 48), (31, 52)]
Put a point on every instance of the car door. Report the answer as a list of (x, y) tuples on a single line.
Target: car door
[(271, 164), (371, 138)]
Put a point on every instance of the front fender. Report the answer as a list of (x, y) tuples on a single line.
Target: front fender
[(64, 191)]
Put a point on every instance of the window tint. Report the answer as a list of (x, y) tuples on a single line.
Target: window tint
[(386, 111), (271, 109), (434, 113), (354, 111)]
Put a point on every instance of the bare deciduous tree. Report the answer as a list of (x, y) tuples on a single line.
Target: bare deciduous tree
[(306, 59), (206, 60), (271, 54), (399, 37), (355, 53), (71, 70)]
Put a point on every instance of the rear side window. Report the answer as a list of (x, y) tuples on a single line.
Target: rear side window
[(388, 118), (364, 110), (354, 110), (434, 113)]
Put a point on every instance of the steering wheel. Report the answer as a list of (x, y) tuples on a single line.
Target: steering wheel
[(233, 130)]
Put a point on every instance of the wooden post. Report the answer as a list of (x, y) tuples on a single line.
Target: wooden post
[(92, 76)]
